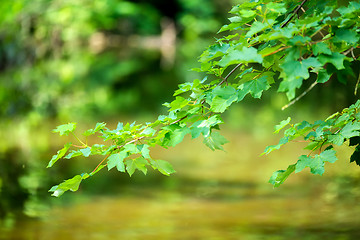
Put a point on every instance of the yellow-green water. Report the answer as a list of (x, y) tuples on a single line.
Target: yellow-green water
[(213, 195)]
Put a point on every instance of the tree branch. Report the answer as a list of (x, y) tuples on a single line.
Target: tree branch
[(294, 13), (229, 74), (300, 96)]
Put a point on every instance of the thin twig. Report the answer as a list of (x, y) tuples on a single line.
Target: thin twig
[(132, 141), (101, 163), (294, 13), (178, 120), (357, 84), (348, 51), (230, 73), (300, 96), (352, 54)]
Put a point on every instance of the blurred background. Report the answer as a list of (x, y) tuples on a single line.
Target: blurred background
[(91, 61)]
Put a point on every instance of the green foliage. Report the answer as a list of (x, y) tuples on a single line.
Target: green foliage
[(265, 43)]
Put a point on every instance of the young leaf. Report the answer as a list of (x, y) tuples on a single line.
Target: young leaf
[(70, 184), (86, 151), (178, 103), (336, 59), (280, 176), (256, 86), (282, 141), (244, 55), (65, 129), (352, 129), (137, 163), (117, 160), (282, 124), (215, 141), (204, 126), (316, 163), (164, 167), (175, 135), (59, 154)]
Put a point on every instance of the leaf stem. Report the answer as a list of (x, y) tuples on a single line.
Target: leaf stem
[(79, 139)]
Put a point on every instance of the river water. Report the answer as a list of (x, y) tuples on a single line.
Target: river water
[(213, 196)]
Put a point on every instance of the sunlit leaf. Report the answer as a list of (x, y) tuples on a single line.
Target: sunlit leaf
[(280, 176), (86, 151), (117, 160), (164, 167), (70, 184), (245, 55), (282, 124), (59, 154), (65, 129), (215, 141)]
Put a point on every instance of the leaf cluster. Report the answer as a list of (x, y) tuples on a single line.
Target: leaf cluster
[(321, 137), (266, 42)]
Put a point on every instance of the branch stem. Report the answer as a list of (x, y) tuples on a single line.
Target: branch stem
[(300, 96), (294, 13), (229, 74)]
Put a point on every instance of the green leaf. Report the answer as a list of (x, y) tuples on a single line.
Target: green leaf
[(131, 149), (70, 184), (245, 55), (282, 124), (98, 127), (280, 176), (317, 162), (65, 129), (215, 141), (295, 70), (219, 104), (271, 148), (178, 103), (175, 135), (73, 154), (321, 47), (144, 150), (293, 74), (221, 98), (204, 126), (117, 160), (148, 131), (336, 59), (214, 51), (164, 167), (277, 7), (59, 154), (86, 151), (256, 27), (137, 163), (352, 129), (346, 35), (323, 76), (336, 139), (256, 87)]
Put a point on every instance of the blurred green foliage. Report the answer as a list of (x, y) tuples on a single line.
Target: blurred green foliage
[(64, 60)]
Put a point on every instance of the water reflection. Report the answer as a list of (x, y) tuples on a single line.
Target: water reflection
[(214, 195), (174, 215)]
